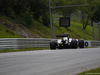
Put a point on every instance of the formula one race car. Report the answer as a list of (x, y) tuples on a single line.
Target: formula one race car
[(66, 42)]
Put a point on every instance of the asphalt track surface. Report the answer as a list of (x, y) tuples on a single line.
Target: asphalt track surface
[(49, 62)]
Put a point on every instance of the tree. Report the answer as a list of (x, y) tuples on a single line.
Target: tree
[(87, 12), (96, 15), (45, 19), (13, 8)]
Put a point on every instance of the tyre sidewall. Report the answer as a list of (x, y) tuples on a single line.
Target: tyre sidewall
[(52, 45)]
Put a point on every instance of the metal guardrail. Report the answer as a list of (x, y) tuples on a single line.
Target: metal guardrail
[(95, 43), (23, 43), (16, 43)]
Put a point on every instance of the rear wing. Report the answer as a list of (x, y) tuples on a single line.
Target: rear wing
[(62, 35)]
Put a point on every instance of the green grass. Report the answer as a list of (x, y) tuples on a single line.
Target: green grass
[(7, 33), (75, 31), (20, 50), (38, 30), (91, 72), (27, 49)]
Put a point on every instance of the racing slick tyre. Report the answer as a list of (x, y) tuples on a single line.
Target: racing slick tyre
[(81, 43), (52, 45), (74, 43)]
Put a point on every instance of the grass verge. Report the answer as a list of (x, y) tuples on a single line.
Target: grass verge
[(7, 33), (38, 30), (91, 72), (20, 50), (27, 49)]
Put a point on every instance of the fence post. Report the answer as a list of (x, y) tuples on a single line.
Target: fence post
[(99, 30)]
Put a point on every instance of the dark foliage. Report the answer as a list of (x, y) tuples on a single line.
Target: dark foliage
[(27, 9)]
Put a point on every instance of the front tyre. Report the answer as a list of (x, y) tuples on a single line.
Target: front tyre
[(52, 45)]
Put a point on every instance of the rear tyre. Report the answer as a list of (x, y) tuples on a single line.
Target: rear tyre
[(52, 45), (74, 43), (81, 43)]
